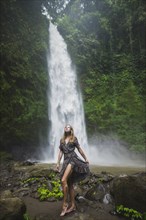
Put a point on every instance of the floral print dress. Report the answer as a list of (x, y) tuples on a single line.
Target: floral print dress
[(80, 168)]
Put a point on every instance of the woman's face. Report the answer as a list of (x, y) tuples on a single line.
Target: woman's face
[(67, 128)]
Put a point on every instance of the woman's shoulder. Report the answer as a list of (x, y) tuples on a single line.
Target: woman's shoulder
[(75, 138), (61, 141)]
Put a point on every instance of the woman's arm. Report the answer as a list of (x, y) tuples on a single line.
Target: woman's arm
[(60, 154), (83, 154)]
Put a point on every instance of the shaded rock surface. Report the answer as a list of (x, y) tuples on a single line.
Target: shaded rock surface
[(130, 191), (11, 208)]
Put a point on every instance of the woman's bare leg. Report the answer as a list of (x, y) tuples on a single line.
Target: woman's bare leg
[(65, 187), (72, 197)]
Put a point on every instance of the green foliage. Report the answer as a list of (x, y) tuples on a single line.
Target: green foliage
[(26, 217), (23, 73), (45, 193), (52, 175), (129, 213), (144, 216)]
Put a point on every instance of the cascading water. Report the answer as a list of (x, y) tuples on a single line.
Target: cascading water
[(64, 96), (66, 107)]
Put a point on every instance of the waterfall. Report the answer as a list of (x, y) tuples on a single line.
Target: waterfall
[(65, 104)]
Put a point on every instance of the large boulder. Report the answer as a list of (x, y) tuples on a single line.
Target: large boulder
[(130, 191), (96, 193), (11, 208)]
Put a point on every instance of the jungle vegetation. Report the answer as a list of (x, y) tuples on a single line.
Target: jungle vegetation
[(106, 41)]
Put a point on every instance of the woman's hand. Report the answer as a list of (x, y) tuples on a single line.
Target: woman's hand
[(83, 155), (57, 167), (59, 159)]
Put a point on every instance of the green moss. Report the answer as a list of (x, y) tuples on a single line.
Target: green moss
[(129, 213), (100, 180), (52, 175), (30, 180), (45, 193), (26, 217)]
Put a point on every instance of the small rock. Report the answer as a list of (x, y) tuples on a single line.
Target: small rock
[(107, 199), (6, 194)]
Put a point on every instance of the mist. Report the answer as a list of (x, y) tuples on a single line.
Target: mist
[(109, 150)]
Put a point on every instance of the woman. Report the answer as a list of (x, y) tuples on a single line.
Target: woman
[(73, 170)]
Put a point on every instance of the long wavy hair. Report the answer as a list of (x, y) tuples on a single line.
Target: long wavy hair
[(72, 137)]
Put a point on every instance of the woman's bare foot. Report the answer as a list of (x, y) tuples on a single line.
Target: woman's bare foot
[(71, 209), (64, 210)]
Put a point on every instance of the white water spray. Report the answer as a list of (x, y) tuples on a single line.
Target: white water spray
[(109, 151), (64, 96)]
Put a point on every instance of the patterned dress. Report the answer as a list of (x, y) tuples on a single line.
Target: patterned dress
[(80, 168)]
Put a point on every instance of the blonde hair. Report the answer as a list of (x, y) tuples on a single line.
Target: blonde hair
[(72, 137)]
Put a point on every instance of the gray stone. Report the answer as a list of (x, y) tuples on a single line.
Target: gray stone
[(96, 193), (6, 194), (130, 191), (12, 209), (107, 199)]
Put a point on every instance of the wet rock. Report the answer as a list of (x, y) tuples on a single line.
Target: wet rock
[(34, 189), (79, 190), (96, 193), (130, 191), (41, 172), (107, 178), (12, 209), (6, 194), (27, 163), (36, 196), (107, 199), (51, 199), (86, 180), (22, 192), (49, 185), (80, 199)]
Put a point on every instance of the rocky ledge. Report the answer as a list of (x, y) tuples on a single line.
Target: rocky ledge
[(41, 181)]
